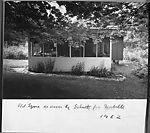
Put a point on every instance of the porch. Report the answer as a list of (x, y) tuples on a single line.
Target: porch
[(65, 56)]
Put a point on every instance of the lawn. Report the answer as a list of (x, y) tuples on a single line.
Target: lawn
[(24, 85), (14, 63)]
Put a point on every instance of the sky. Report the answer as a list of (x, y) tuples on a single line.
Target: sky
[(61, 8)]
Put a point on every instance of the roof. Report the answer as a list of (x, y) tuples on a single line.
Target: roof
[(109, 27), (108, 31)]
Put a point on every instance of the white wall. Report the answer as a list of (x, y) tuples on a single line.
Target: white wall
[(65, 63)]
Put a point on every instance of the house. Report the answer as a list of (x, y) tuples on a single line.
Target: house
[(98, 51)]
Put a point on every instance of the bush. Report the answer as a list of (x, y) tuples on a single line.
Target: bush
[(141, 71), (140, 56), (78, 69), (39, 68), (134, 59), (49, 66), (15, 52), (21, 55), (100, 72), (44, 67), (135, 54)]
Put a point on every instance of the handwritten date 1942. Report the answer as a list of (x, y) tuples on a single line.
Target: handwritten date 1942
[(110, 116)]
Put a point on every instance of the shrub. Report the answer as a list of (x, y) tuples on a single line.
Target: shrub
[(140, 56), (39, 68), (8, 55), (135, 54), (78, 69), (94, 71), (42, 67), (15, 52), (134, 59), (141, 71), (49, 66), (21, 55), (100, 72)]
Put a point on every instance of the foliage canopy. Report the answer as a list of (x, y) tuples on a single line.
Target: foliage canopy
[(41, 20)]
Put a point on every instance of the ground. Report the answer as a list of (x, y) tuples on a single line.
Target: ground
[(30, 85)]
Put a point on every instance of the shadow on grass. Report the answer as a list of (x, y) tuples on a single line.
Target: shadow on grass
[(19, 85)]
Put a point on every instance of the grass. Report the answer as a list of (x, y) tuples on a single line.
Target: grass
[(15, 63), (20, 85)]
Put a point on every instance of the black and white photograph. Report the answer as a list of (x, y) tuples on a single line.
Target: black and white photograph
[(91, 54), (75, 49)]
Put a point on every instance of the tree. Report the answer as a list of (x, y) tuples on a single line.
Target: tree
[(130, 17), (119, 13), (41, 20), (30, 18)]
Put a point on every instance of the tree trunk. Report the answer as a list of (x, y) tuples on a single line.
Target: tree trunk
[(110, 48)]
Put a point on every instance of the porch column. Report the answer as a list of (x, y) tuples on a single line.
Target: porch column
[(49, 50), (96, 49), (55, 45), (103, 48), (84, 51), (70, 51), (56, 50), (111, 48), (29, 48), (43, 49), (80, 51)]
